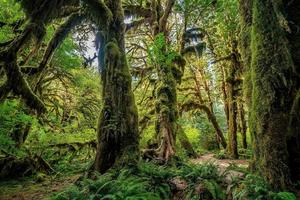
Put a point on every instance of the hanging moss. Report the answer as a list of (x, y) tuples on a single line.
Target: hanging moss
[(60, 34), (99, 12), (38, 14)]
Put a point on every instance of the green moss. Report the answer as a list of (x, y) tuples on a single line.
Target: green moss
[(99, 13), (271, 67), (118, 124), (112, 50)]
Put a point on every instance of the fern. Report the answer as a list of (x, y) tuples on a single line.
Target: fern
[(285, 196), (194, 173), (215, 189)]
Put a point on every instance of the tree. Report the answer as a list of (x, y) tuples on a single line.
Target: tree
[(274, 87), (118, 140), (118, 132)]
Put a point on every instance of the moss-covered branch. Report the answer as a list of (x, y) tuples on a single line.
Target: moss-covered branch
[(19, 86), (191, 105), (99, 12), (60, 34)]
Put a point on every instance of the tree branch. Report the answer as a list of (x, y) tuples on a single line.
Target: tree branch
[(57, 39), (164, 19)]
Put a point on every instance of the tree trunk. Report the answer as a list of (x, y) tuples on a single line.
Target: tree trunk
[(293, 143), (242, 123), (273, 91), (225, 95), (166, 94), (209, 112), (232, 129), (166, 110), (232, 85), (118, 140), (213, 118), (20, 133)]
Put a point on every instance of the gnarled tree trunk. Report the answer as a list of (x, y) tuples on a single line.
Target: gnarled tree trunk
[(166, 94), (166, 110), (118, 140)]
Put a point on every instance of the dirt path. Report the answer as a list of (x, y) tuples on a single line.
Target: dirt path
[(223, 165), (29, 190)]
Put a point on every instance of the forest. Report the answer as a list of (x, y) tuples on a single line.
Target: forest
[(150, 99)]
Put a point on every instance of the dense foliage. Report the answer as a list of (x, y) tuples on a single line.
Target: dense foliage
[(149, 99)]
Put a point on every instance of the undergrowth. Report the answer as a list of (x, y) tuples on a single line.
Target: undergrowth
[(148, 181)]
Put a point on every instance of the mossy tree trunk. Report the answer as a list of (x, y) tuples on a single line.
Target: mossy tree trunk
[(232, 83), (166, 94), (274, 87), (242, 123), (225, 94), (211, 115), (232, 114), (118, 140), (167, 114)]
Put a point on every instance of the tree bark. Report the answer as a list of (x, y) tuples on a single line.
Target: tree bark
[(166, 110), (209, 112), (225, 95), (273, 91)]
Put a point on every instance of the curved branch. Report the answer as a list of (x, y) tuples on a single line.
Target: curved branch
[(57, 39), (191, 105), (164, 19), (19, 86)]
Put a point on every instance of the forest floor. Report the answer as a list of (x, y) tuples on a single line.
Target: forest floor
[(32, 190), (222, 163), (228, 166), (28, 189)]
